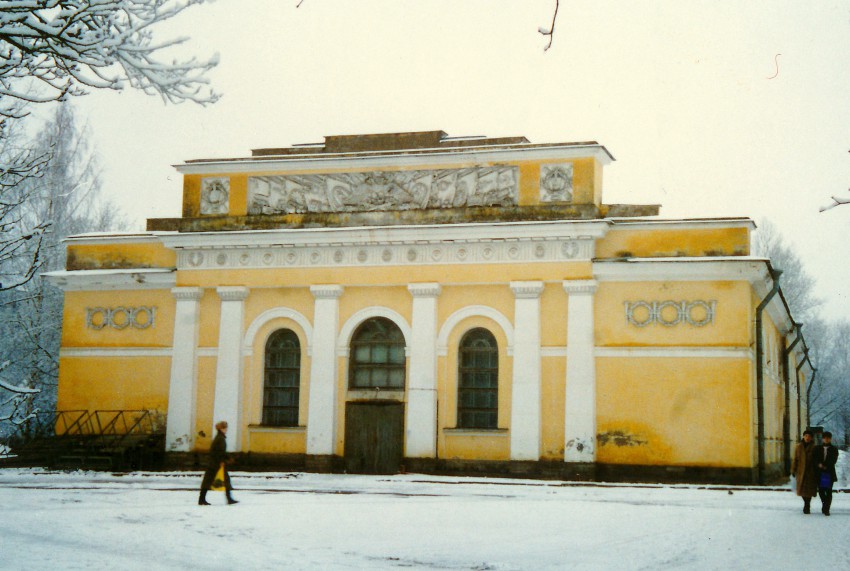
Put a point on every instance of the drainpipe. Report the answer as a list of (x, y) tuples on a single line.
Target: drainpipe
[(774, 274), (809, 392), (800, 396), (786, 419)]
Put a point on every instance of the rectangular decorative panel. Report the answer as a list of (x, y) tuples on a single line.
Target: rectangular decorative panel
[(390, 190)]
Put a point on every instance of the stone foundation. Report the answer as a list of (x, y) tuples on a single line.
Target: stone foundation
[(544, 469)]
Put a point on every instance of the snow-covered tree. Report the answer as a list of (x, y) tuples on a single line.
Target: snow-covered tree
[(68, 197), (52, 50), (828, 397), (797, 283)]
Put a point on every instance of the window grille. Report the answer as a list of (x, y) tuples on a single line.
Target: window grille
[(478, 380), (377, 356), (282, 380)]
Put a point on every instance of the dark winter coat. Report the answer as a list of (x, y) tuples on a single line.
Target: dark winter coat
[(218, 457), (803, 469), (826, 456)]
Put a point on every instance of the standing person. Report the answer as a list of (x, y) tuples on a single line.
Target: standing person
[(825, 457), (803, 469), (218, 460)]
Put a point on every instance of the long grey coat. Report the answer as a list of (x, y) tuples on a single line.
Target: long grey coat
[(803, 469)]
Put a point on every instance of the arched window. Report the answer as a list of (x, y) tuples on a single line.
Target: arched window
[(377, 356), (282, 379), (478, 380)]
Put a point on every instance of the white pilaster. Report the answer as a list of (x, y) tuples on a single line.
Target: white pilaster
[(321, 416), (228, 372), (580, 406), (525, 396), (180, 423), (421, 412)]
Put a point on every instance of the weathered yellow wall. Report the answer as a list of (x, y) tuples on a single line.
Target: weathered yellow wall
[(205, 402), (354, 299), (281, 441), (774, 391), (553, 315), (684, 411), (119, 255), (660, 242), (260, 300), (191, 196), (238, 194), (113, 383), (391, 275), (552, 403), (210, 315), (76, 334), (730, 328)]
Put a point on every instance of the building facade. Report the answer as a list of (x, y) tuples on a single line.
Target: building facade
[(417, 302)]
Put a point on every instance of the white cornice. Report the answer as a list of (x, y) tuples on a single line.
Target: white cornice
[(675, 352), (680, 223), (394, 245), (387, 234), (732, 268), (97, 238), (97, 280), (116, 352), (396, 159)]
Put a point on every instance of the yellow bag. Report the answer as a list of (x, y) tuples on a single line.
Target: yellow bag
[(218, 481)]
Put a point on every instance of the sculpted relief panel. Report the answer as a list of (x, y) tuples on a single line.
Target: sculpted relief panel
[(215, 195), (379, 190), (556, 183)]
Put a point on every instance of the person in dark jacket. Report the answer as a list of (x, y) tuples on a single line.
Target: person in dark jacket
[(803, 470), (825, 456), (218, 459)]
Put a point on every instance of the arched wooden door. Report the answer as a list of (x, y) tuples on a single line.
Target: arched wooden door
[(374, 429)]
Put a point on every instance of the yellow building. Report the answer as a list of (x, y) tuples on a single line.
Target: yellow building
[(417, 302)]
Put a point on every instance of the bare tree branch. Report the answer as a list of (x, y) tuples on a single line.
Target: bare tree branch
[(836, 201), (551, 31)]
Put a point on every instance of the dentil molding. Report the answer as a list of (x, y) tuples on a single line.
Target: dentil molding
[(413, 253)]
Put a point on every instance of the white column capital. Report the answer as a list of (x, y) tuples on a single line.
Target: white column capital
[(580, 286), (232, 293), (326, 291), (424, 289), (187, 293), (527, 290)]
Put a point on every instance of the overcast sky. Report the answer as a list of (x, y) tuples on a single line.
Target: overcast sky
[(711, 108)]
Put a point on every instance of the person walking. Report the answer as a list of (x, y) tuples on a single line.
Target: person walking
[(218, 461), (803, 470), (825, 457)]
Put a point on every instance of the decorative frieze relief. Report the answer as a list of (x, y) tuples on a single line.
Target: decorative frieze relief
[(414, 253), (215, 195), (697, 313), (120, 317), (383, 190), (556, 182)]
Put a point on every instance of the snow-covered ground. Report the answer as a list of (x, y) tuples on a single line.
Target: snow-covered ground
[(91, 520)]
